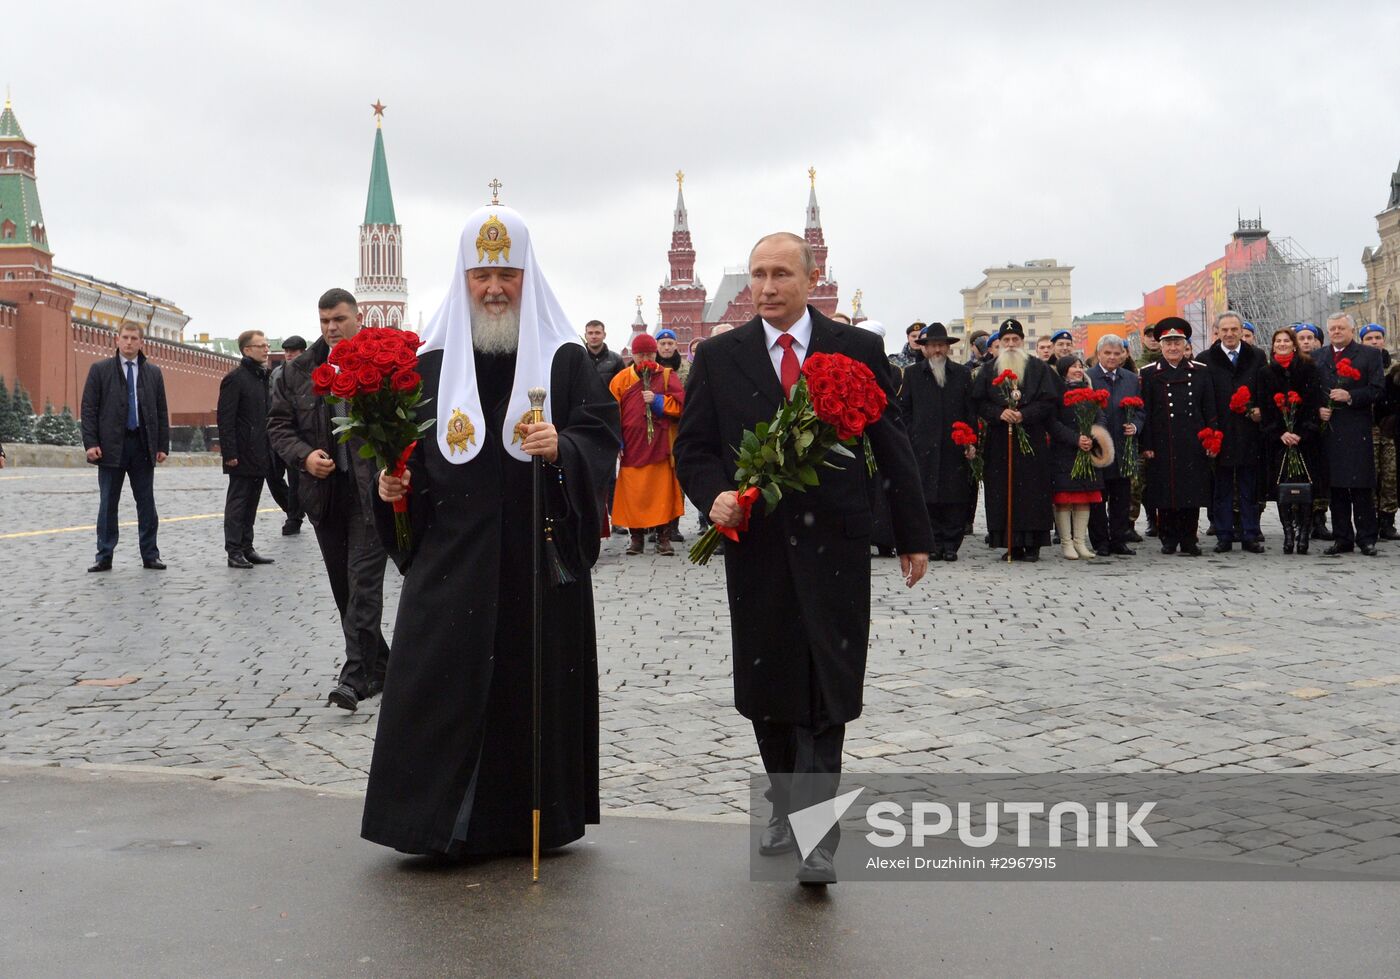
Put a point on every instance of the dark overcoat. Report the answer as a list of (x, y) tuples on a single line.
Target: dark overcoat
[(104, 409), (244, 397), (1064, 449), (452, 763), (798, 578), (1346, 440), (1242, 445), (929, 412), (1303, 377), (1126, 385), (1032, 514), (1177, 403)]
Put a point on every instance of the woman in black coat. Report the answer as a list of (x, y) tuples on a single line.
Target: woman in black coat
[(1074, 497), (1289, 370)]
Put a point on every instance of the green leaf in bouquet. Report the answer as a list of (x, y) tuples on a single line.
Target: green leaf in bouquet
[(400, 412), (772, 494), (750, 442), (804, 440), (839, 449), (760, 431), (342, 420), (425, 425), (770, 454), (808, 475), (366, 452)]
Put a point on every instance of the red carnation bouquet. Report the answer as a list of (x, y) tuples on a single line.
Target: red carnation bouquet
[(963, 436), (1131, 465), (1345, 371), (1009, 384), (646, 370), (1242, 401), (1087, 403), (833, 403), (375, 374), (1293, 465), (1211, 439)]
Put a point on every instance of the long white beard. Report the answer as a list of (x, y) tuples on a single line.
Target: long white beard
[(495, 333), (939, 367), (1013, 360)]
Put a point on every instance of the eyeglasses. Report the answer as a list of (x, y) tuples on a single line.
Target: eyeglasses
[(258, 346)]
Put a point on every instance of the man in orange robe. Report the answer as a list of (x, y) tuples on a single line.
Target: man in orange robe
[(648, 494)]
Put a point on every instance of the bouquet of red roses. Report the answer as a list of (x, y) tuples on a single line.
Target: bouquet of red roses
[(1211, 439), (963, 436), (1242, 401), (1346, 371), (1087, 403), (1131, 464), (833, 403), (1010, 386), (1293, 465), (375, 374)]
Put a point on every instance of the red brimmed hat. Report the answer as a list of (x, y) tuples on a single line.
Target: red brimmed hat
[(1172, 326)]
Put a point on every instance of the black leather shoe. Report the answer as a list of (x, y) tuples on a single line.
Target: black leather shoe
[(1122, 550), (1336, 549), (102, 566), (343, 696), (291, 528), (1223, 547), (676, 537), (239, 561), (950, 555), (1104, 551), (776, 837), (1190, 550), (1253, 546), (153, 564), (1133, 537), (1168, 548), (255, 558), (1368, 549), (1032, 555), (817, 870)]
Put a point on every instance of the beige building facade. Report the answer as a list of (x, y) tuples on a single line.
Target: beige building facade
[(1382, 264), (1037, 293)]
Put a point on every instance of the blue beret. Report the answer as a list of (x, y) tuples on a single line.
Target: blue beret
[(665, 335), (1310, 327), (1061, 333), (994, 337), (1373, 328), (1249, 326)]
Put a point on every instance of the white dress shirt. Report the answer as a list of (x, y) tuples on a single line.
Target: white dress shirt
[(801, 333)]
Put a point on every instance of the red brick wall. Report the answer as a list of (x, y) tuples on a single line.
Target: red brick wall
[(191, 375)]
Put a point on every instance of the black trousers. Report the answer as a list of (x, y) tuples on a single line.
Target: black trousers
[(1354, 517), (949, 521), (803, 766), (1110, 521), (136, 464), (283, 486), (1175, 527), (355, 562), (240, 512)]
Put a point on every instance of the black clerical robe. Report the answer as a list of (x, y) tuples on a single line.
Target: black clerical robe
[(1031, 482), (451, 771)]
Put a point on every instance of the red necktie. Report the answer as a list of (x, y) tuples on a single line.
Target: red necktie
[(790, 370)]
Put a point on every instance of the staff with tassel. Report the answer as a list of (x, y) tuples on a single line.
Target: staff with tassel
[(537, 533), (1010, 456)]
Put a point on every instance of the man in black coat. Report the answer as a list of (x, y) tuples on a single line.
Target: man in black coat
[(1234, 364), (284, 481), (126, 432), (335, 489), (1178, 403), (934, 394), (244, 398), (1346, 435), (799, 577), (1110, 522), (595, 339)]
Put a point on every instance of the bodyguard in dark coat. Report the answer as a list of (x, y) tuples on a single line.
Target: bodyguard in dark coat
[(284, 481), (933, 394), (335, 488), (126, 432), (1234, 364), (1039, 397), (1178, 402), (1111, 522), (244, 397), (798, 578), (1346, 436), (1291, 372)]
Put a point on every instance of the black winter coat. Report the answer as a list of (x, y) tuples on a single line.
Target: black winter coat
[(1242, 445), (104, 409), (1064, 449), (1303, 377), (299, 422), (1177, 403), (607, 363), (929, 412), (1127, 386), (798, 578), (1346, 441), (244, 398)]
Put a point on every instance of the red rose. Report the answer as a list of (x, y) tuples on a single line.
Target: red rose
[(407, 381), (820, 386), (322, 378), (410, 339), (852, 421), (406, 358), (344, 385), (369, 378), (384, 357)]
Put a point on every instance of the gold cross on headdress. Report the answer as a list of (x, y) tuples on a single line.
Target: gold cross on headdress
[(680, 178), (812, 176), (495, 186)]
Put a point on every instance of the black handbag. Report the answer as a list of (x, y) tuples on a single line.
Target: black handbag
[(1299, 494)]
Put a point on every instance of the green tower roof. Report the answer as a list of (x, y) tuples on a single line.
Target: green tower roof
[(9, 125), (379, 206)]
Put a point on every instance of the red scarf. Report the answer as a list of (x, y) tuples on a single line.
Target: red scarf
[(1284, 360)]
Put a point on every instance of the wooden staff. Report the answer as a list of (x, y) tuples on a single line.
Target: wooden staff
[(537, 396), (1010, 436)]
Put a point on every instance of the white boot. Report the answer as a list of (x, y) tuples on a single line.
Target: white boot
[(1079, 524), (1062, 524)]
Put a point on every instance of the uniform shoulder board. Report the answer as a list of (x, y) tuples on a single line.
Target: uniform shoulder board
[(1196, 363), (1154, 365)]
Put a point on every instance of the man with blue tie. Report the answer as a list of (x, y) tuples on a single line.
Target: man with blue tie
[(126, 432), (1111, 522), (1233, 365)]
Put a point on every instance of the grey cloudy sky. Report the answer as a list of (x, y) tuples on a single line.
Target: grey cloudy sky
[(218, 155)]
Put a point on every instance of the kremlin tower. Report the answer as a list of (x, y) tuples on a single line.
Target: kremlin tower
[(682, 295), (380, 289)]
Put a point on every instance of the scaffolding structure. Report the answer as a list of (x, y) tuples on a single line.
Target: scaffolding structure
[(1287, 286)]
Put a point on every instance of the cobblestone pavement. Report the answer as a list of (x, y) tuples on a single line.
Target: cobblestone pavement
[(1221, 663)]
